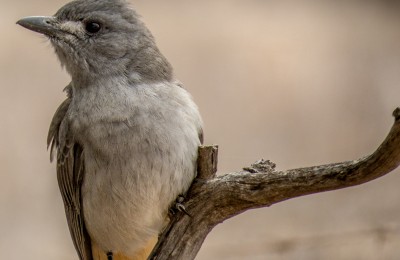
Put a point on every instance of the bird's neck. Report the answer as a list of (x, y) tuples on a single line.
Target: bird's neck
[(84, 82), (135, 72)]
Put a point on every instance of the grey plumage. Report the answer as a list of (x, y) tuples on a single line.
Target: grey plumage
[(126, 136)]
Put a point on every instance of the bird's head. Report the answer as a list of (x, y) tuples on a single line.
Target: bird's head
[(101, 38)]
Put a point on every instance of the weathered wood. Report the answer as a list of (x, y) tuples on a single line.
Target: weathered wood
[(207, 162), (212, 199)]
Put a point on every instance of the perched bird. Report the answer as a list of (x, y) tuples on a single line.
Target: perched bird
[(127, 135)]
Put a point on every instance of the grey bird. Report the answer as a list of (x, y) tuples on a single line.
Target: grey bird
[(127, 135)]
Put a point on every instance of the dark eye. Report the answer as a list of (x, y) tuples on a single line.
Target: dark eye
[(92, 27)]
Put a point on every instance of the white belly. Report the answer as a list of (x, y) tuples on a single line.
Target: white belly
[(125, 201), (136, 164)]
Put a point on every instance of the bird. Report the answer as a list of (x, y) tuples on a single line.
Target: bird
[(126, 137)]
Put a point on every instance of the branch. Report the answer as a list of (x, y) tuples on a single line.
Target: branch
[(211, 200)]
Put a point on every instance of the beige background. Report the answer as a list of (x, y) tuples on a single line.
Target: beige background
[(298, 82)]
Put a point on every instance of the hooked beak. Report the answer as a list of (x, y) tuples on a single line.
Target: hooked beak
[(42, 24)]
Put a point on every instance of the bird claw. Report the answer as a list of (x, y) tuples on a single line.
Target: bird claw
[(110, 256), (181, 208), (178, 206)]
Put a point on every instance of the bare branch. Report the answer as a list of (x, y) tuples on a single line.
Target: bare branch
[(212, 199)]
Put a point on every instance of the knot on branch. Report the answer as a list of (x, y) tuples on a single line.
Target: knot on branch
[(261, 166)]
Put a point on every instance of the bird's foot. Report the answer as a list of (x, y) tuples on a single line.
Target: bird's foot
[(178, 206)]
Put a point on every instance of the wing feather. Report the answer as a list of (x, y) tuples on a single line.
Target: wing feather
[(70, 172)]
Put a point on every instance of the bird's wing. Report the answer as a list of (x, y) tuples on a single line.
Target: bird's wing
[(70, 171), (201, 136)]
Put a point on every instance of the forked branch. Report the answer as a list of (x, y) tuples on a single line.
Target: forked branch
[(212, 199)]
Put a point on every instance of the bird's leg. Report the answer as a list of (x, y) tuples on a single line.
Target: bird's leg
[(110, 255), (178, 206)]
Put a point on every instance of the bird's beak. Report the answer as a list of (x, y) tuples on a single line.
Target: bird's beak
[(42, 24)]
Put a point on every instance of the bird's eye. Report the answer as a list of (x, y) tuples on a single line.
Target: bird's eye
[(92, 27)]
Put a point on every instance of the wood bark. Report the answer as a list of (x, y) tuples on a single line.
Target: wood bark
[(212, 199)]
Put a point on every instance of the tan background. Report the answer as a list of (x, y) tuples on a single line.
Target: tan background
[(298, 82)]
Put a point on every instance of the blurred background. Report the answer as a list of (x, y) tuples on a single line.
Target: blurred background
[(298, 82)]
